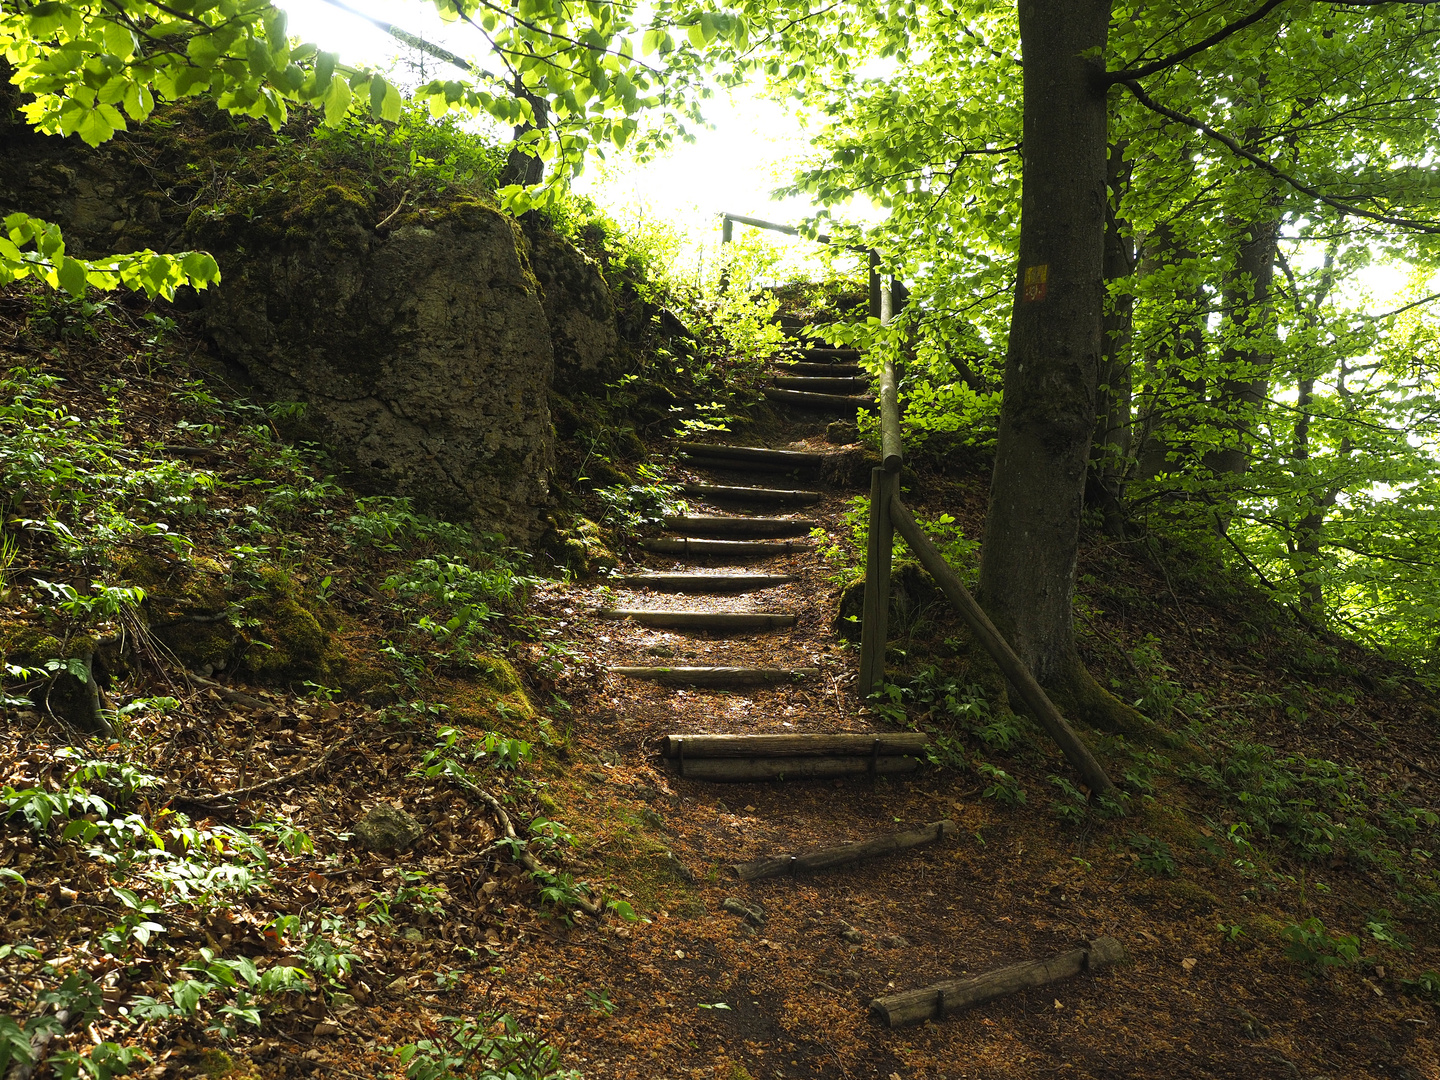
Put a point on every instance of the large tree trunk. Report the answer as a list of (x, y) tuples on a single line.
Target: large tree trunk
[(521, 166), (1032, 530)]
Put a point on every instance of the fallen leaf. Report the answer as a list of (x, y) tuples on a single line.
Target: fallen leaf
[(1189, 964)]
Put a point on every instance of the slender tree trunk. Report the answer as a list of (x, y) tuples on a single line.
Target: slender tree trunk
[(521, 166), (1246, 359), (1032, 530), (1309, 533), (1172, 381), (1110, 445)]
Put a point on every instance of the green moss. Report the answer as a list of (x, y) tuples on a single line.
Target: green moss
[(289, 641), (218, 1065)]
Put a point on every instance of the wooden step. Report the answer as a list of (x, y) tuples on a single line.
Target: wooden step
[(752, 770), (822, 354), (836, 370), (721, 621), (798, 744), (822, 386), (717, 676), (806, 400), (761, 456), (751, 494), (714, 526), (732, 548), (843, 854), (705, 583)]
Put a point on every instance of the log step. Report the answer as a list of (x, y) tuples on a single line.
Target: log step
[(846, 744), (702, 525), (832, 370), (843, 854), (937, 1001), (751, 494), (823, 386), (703, 583), (749, 770), (716, 676), (724, 621), (805, 399), (821, 354), (753, 455), (729, 548)]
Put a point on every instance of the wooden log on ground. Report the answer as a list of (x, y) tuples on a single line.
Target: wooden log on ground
[(705, 582), (830, 369), (727, 621), (843, 854), (822, 354), (1014, 669), (808, 400), (732, 548), (717, 676), (822, 384), (742, 770), (940, 1000), (793, 459), (715, 526), (845, 744), (751, 494)]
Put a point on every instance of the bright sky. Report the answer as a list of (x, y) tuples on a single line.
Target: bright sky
[(752, 148)]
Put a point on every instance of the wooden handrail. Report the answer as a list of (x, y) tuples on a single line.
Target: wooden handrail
[(1014, 669)]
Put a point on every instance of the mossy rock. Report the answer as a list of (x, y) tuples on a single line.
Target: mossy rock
[(581, 548), (291, 640), (218, 1065)]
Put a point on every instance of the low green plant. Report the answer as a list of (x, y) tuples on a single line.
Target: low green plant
[(492, 1046), (1317, 950), (649, 501), (1000, 785), (1153, 856)]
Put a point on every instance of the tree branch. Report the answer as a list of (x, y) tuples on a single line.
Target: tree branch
[(417, 42), (1113, 77), (1255, 159)]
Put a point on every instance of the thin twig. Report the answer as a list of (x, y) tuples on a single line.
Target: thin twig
[(522, 853)]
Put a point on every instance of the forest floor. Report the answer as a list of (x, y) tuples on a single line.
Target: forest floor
[(1274, 795)]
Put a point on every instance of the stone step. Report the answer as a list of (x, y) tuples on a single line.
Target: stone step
[(833, 370), (728, 548), (716, 676), (722, 621), (714, 526), (757, 456), (820, 385), (705, 583), (751, 494), (833, 402)]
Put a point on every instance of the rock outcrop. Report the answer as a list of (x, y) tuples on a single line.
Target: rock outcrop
[(423, 344)]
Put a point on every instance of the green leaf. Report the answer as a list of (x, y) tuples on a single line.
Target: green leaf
[(71, 276)]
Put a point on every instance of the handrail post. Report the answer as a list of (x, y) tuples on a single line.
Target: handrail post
[(874, 284), (875, 617), (727, 235)]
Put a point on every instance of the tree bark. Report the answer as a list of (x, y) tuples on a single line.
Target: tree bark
[(521, 166), (1245, 359), (1110, 446), (1032, 529)]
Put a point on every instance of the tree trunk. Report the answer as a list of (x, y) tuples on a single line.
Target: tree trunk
[(1173, 384), (1110, 445), (1246, 358), (521, 166), (1032, 529)]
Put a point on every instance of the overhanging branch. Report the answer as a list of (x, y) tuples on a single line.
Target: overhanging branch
[(1279, 174), (1113, 77)]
